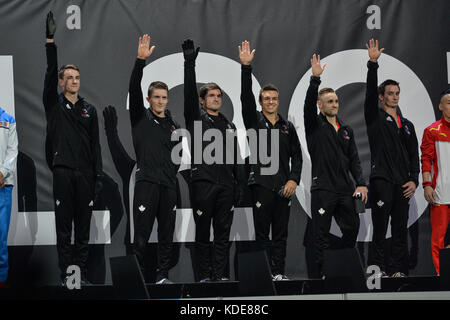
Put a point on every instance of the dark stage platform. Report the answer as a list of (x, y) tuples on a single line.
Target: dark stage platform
[(228, 289)]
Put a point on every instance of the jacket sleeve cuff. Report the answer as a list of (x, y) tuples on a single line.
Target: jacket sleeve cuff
[(140, 62), (372, 65), (415, 180), (189, 63), (361, 184), (4, 172), (295, 178), (315, 81)]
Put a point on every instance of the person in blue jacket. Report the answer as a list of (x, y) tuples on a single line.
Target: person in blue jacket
[(8, 161)]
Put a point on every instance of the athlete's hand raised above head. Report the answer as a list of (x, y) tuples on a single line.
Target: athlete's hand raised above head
[(373, 51), (50, 26), (189, 51), (144, 49), (245, 54), (316, 68)]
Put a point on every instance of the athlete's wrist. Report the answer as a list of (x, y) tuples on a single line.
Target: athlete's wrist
[(427, 184)]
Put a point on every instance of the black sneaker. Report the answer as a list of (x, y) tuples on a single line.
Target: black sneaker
[(85, 282), (64, 282)]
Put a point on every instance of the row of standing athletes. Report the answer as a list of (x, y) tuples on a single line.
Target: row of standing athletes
[(73, 151)]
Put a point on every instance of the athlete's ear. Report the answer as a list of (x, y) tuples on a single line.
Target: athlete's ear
[(148, 99), (380, 97), (319, 103)]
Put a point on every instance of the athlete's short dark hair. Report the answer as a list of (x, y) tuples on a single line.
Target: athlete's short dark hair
[(325, 91), (64, 68), (388, 82), (157, 85), (209, 86), (443, 94), (267, 87)]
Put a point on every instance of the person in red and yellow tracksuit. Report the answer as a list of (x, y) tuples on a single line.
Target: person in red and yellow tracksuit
[(436, 175)]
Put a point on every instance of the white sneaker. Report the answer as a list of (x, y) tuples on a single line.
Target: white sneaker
[(398, 275), (164, 281), (279, 277), (381, 274)]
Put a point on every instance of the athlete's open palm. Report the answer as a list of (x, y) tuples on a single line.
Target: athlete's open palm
[(374, 52), (245, 54), (144, 49), (316, 67)]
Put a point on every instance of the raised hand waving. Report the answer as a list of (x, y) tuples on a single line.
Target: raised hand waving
[(373, 51), (317, 69), (144, 49), (245, 55)]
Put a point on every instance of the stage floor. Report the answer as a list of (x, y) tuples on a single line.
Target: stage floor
[(423, 288)]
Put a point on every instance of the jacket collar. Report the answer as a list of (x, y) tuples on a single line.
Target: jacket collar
[(206, 114), (280, 119), (324, 118), (445, 122), (151, 115), (63, 99)]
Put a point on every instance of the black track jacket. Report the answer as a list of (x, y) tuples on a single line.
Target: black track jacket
[(394, 151), (72, 129), (333, 154), (288, 144), (225, 174), (151, 136)]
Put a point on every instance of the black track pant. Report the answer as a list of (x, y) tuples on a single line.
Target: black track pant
[(73, 193), (269, 209), (152, 201), (324, 206), (386, 199), (212, 202)]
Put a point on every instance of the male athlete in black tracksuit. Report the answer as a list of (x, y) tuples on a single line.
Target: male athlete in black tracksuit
[(333, 152), (394, 166), (213, 186), (155, 190), (271, 193), (73, 152)]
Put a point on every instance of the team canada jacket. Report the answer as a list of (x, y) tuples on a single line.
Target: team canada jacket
[(288, 143), (151, 136), (227, 174), (394, 150), (333, 153), (72, 129)]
